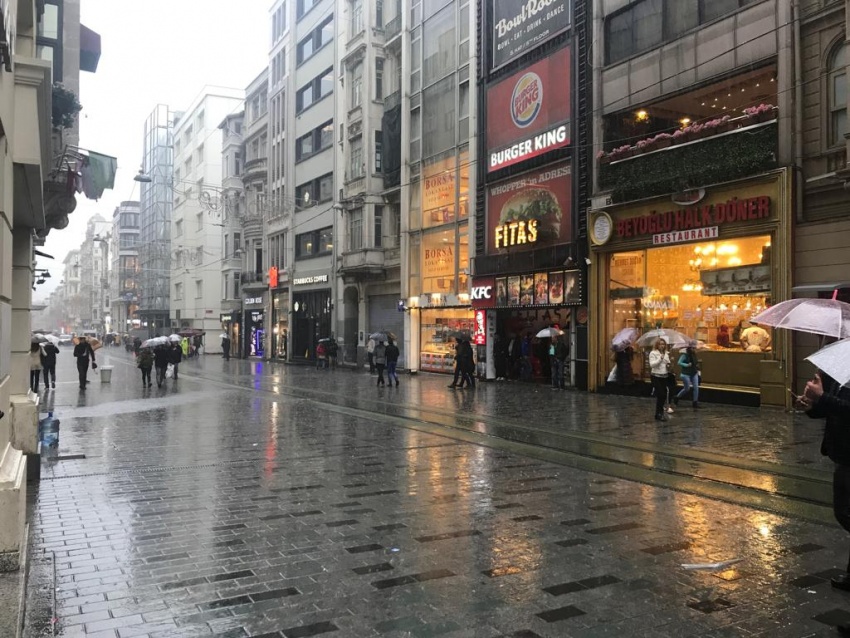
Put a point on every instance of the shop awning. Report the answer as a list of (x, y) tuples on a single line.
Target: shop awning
[(816, 288)]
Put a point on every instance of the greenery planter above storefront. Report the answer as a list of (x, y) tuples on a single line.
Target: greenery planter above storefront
[(721, 158)]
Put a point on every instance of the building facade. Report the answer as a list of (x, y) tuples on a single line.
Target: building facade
[(124, 268), (94, 279)]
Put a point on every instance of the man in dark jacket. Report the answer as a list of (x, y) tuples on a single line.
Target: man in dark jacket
[(391, 353), (48, 364), (827, 399), (175, 356), (84, 354), (160, 362)]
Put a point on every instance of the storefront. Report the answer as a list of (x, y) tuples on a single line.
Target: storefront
[(254, 332), (231, 325), (439, 326), (702, 264), (279, 324), (312, 306)]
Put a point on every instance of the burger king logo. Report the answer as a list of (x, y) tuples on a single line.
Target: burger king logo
[(527, 99)]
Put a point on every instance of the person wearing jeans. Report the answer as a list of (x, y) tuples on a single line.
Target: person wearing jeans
[(659, 367), (690, 373), (35, 366), (391, 353)]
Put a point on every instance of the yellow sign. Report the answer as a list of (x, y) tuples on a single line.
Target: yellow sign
[(516, 233)]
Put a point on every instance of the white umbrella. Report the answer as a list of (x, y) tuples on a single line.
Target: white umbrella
[(549, 332), (175, 338), (828, 317), (834, 360), (156, 341), (673, 338), (378, 336), (52, 339), (38, 338), (624, 338)]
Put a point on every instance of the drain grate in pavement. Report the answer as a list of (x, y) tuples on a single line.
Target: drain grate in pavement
[(70, 457)]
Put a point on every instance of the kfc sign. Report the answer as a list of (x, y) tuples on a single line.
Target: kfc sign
[(528, 113), (482, 294)]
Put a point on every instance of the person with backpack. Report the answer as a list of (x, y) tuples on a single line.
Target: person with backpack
[(48, 364), (392, 354), (145, 362)]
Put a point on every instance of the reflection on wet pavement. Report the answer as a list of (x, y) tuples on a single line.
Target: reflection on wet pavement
[(217, 509)]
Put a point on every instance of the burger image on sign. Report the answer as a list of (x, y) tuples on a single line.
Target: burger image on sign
[(531, 215), (527, 99)]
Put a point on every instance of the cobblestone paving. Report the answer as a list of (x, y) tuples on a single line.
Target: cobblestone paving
[(210, 508)]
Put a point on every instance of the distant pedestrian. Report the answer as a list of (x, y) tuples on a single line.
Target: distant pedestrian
[(175, 356), (825, 398), (85, 357), (660, 369), (467, 364), (689, 366), (380, 358), (321, 355), (48, 364), (145, 363), (392, 355), (225, 347), (370, 353), (559, 353), (184, 346), (514, 357), (623, 360), (160, 362), (35, 366), (500, 357), (458, 376), (332, 352), (137, 345)]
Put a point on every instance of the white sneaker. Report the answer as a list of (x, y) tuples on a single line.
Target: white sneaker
[(669, 409)]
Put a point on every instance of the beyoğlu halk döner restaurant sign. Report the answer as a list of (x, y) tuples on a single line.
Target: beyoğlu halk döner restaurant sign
[(694, 219)]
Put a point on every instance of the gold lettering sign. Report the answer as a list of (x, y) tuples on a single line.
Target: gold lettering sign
[(516, 233)]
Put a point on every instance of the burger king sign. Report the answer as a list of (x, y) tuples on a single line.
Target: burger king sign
[(528, 113)]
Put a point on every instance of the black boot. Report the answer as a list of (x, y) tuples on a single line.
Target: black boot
[(696, 405)]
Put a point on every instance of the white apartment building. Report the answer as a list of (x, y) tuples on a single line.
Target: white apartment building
[(73, 303), (124, 273), (196, 222), (94, 279)]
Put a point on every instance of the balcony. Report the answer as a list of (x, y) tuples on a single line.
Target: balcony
[(630, 174), (363, 265), (255, 169), (392, 30), (253, 280), (392, 101)]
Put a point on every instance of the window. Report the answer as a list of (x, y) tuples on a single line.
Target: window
[(315, 90), (645, 24), (379, 78), (355, 160), (199, 288), (314, 243), (326, 188), (379, 14), (356, 17), (838, 96), (226, 286), (326, 240), (379, 226), (379, 144), (315, 40), (237, 280), (303, 6), (305, 48), (439, 118), (355, 229), (237, 243), (304, 245), (226, 246), (317, 190), (356, 86), (199, 121), (178, 291), (315, 141), (200, 219), (178, 228), (48, 26), (439, 48)]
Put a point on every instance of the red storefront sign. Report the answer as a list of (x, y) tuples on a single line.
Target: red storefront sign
[(695, 217), (528, 113), (479, 336), (273, 277), (483, 292)]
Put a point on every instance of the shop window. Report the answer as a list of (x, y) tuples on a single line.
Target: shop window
[(314, 243), (439, 47), (838, 96), (439, 261)]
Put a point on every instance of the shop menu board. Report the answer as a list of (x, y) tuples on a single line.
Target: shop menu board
[(736, 281), (539, 289)]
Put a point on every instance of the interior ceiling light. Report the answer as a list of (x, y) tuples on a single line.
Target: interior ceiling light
[(642, 116)]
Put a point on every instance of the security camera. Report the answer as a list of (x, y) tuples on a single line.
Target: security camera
[(587, 261)]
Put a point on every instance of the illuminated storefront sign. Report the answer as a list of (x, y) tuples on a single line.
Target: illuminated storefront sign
[(315, 279), (516, 234), (273, 277), (479, 335), (482, 293), (521, 25)]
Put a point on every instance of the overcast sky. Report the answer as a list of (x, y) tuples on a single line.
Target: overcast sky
[(154, 52)]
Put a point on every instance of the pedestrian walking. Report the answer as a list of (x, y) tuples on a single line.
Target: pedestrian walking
[(160, 362), (370, 353), (48, 364), (458, 365), (500, 357), (85, 357), (184, 346), (35, 366), (660, 369), (467, 364), (332, 351), (380, 358), (225, 347), (321, 355), (558, 354), (175, 356), (145, 362), (392, 355), (514, 357), (689, 366), (825, 398)]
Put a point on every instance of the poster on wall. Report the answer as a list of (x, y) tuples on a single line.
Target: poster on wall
[(513, 291), (572, 290), (541, 288), (501, 291), (530, 210), (528, 113), (526, 290), (556, 288), (519, 26)]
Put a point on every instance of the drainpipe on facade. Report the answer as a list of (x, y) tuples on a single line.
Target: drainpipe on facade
[(798, 109)]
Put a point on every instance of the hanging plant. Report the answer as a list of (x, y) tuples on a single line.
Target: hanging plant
[(66, 106)]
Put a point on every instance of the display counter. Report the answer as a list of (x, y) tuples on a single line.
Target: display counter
[(730, 367)]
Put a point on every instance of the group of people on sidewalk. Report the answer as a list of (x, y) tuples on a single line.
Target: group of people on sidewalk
[(43, 358), (383, 357), (159, 357)]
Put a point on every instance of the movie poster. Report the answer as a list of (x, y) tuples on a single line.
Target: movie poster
[(572, 291), (501, 291), (541, 289), (513, 291), (526, 290), (556, 288)]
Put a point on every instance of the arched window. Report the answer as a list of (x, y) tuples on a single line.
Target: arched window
[(838, 95)]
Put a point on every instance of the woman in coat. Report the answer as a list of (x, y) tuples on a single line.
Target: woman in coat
[(660, 369)]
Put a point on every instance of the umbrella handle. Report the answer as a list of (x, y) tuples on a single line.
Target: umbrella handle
[(835, 294)]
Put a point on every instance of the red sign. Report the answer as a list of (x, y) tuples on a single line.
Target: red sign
[(528, 113), (733, 211), (483, 292), (273, 277), (479, 334), (530, 210)]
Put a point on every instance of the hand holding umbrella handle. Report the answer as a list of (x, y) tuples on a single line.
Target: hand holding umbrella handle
[(814, 389)]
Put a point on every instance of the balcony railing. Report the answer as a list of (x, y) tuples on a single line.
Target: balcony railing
[(253, 278), (367, 260), (392, 100), (392, 29), (719, 158)]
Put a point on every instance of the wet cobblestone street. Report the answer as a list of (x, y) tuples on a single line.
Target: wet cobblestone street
[(248, 499)]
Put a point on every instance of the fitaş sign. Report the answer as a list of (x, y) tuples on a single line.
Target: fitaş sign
[(522, 25), (528, 113)]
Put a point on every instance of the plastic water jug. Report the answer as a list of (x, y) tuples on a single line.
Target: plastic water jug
[(48, 430)]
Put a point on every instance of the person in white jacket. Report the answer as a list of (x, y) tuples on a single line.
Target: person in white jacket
[(660, 369)]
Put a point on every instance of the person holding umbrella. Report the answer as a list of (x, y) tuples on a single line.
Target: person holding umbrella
[(84, 353), (35, 364), (48, 363), (380, 360), (660, 368)]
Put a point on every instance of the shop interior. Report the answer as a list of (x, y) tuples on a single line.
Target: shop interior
[(438, 329), (707, 291)]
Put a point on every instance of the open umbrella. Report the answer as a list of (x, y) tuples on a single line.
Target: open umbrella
[(190, 332), (156, 341), (94, 343), (549, 333), (624, 338), (325, 340), (174, 338), (378, 336), (828, 317), (52, 339), (834, 360), (673, 338), (38, 339)]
